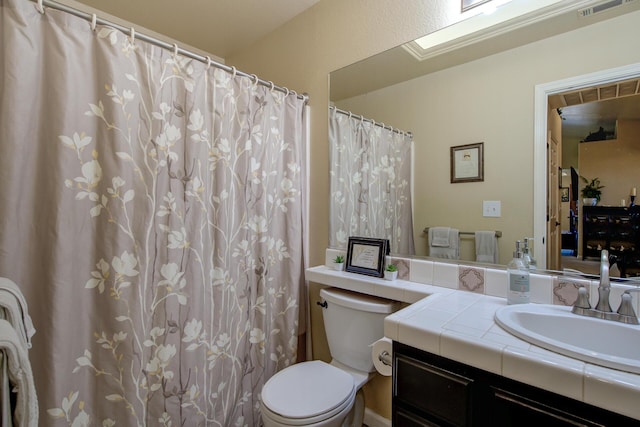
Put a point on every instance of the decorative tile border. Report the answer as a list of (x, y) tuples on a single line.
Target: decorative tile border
[(471, 279), (545, 289)]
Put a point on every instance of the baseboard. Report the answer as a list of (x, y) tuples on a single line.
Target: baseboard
[(372, 419)]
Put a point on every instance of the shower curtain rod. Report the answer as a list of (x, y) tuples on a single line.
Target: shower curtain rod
[(382, 125), (93, 18)]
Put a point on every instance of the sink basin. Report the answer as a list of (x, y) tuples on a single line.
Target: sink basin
[(601, 342)]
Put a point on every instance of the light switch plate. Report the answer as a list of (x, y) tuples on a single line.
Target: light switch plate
[(491, 208)]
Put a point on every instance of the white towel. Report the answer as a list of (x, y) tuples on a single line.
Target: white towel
[(439, 236), (20, 376), (10, 287), (12, 313), (486, 246), (451, 251)]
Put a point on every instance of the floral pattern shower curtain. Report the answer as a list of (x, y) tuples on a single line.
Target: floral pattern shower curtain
[(151, 211), (370, 168)]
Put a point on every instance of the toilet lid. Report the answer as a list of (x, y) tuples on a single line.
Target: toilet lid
[(307, 389)]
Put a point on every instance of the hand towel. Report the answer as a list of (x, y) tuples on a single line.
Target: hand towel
[(20, 376), (439, 236), (451, 251), (12, 313), (486, 246), (9, 286)]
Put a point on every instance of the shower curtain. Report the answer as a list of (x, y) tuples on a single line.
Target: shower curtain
[(151, 211), (370, 168)]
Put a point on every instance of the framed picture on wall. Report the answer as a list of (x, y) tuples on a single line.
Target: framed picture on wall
[(467, 163), (366, 255), (564, 192)]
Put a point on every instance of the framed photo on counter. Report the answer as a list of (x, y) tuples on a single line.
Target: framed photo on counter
[(366, 256)]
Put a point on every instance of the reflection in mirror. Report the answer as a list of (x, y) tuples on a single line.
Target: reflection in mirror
[(483, 90), (370, 182)]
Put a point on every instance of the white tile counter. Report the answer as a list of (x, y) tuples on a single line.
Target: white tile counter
[(459, 325)]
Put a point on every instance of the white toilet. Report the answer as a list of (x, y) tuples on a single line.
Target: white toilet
[(320, 394)]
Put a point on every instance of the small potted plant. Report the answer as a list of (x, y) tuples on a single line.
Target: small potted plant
[(391, 272), (338, 262), (591, 192)]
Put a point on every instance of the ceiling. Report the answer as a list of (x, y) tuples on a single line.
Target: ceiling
[(585, 110), (218, 27)]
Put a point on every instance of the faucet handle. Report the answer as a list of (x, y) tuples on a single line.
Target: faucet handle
[(581, 306), (626, 311)]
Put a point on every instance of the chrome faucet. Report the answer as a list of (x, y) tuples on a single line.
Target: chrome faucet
[(604, 288), (603, 310)]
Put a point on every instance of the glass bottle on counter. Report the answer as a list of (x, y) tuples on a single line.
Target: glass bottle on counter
[(518, 278)]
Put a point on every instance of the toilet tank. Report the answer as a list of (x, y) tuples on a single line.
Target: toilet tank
[(353, 322)]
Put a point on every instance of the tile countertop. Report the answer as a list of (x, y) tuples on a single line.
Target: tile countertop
[(459, 325)]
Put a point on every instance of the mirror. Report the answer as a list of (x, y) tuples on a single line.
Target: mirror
[(481, 89)]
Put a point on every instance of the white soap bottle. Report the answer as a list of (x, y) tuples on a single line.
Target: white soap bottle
[(518, 279)]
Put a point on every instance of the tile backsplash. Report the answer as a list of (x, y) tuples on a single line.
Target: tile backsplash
[(545, 288)]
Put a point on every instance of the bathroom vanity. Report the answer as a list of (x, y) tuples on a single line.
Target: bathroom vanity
[(449, 351), (429, 390)]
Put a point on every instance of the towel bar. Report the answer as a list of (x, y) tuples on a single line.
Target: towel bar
[(498, 233)]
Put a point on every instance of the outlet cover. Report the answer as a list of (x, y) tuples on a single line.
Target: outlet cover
[(491, 208)]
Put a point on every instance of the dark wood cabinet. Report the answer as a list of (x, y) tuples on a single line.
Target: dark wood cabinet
[(429, 390), (616, 229)]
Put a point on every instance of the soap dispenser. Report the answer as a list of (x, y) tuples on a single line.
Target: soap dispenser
[(518, 278), (526, 255)]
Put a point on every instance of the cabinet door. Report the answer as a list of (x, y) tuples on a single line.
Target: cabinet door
[(406, 419), (444, 395), (511, 409)]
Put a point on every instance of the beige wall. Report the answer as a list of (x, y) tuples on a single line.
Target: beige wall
[(336, 33), (489, 100), (615, 162)]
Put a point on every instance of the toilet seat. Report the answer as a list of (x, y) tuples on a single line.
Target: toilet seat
[(307, 393)]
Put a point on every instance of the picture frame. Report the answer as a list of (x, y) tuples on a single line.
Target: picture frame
[(467, 163), (470, 4), (366, 256), (564, 192)]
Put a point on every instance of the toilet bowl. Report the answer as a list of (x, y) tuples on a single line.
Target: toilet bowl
[(319, 394), (308, 394)]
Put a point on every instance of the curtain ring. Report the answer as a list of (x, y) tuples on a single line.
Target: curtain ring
[(294, 92), (272, 85), (208, 62), (286, 94), (94, 21), (254, 78), (233, 71), (40, 7), (175, 49), (132, 35)]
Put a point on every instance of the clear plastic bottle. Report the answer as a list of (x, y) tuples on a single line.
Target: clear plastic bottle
[(531, 263), (518, 278)]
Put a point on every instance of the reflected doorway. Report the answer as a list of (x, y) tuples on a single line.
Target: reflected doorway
[(588, 117)]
